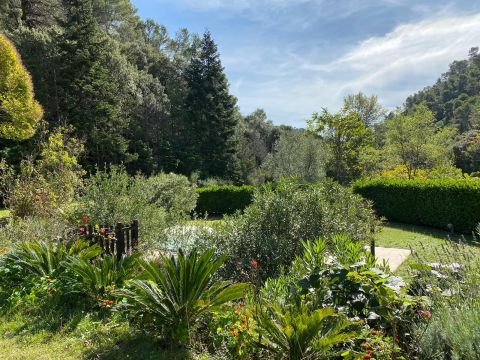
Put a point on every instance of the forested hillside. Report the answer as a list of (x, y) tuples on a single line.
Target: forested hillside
[(131, 92), (455, 100), (134, 94)]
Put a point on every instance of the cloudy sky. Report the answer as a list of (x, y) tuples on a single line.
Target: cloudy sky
[(293, 57)]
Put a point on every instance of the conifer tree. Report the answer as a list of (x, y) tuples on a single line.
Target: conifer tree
[(210, 115), (90, 91)]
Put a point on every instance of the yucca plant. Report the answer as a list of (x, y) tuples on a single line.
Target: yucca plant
[(175, 295), (48, 258), (295, 332), (99, 277)]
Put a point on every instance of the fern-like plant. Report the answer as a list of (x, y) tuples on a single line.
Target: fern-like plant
[(173, 296), (298, 333)]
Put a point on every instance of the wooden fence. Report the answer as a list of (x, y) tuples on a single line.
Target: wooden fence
[(119, 240)]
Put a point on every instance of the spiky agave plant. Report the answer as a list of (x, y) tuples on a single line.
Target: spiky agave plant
[(175, 294), (295, 332)]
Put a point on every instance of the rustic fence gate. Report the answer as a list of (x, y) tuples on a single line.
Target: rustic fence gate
[(119, 240)]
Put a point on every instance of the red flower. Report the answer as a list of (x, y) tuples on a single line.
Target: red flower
[(367, 356), (425, 314), (85, 219), (254, 263)]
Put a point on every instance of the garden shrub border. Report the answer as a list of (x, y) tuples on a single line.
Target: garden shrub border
[(223, 200), (434, 203)]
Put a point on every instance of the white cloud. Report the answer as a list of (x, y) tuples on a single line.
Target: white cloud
[(290, 85)]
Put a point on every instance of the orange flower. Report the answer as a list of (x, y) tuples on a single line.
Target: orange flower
[(231, 327), (235, 333), (244, 319), (244, 327), (425, 314), (237, 312), (367, 356)]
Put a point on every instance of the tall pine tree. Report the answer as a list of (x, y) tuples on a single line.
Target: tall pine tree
[(91, 95), (210, 115)]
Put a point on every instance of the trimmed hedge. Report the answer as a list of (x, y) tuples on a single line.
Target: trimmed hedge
[(425, 202), (220, 200)]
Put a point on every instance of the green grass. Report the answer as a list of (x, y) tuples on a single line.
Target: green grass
[(428, 243), (4, 213), (82, 337)]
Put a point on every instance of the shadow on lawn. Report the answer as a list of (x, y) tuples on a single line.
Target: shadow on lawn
[(137, 347), (435, 233)]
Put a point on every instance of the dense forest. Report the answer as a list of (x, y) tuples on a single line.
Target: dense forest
[(130, 93)]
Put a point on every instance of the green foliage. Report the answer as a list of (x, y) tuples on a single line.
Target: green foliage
[(36, 272), (178, 293), (112, 197), (346, 135), (272, 229), (210, 113), (416, 142), (425, 202), (451, 333), (297, 155), (297, 333), (220, 200), (42, 258), (19, 112), (235, 329), (367, 107), (45, 186), (100, 277), (452, 96), (17, 231)]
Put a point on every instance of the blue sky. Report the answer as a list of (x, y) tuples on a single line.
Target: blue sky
[(293, 57)]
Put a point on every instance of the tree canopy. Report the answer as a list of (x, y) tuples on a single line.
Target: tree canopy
[(19, 112)]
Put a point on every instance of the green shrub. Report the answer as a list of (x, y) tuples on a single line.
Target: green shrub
[(44, 186), (272, 229), (178, 293), (18, 231), (425, 202), (220, 200), (453, 332), (158, 202)]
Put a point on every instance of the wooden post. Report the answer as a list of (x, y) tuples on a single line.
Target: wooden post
[(120, 240), (134, 239), (372, 247)]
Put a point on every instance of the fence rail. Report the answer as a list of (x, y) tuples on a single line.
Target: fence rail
[(114, 240)]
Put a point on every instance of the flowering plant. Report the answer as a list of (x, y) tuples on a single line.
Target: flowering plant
[(236, 329)]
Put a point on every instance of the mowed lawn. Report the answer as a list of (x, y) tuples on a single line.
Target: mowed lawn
[(429, 244)]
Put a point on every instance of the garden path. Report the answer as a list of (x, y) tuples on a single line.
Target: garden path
[(394, 257)]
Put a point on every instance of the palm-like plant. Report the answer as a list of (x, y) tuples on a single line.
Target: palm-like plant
[(48, 258), (103, 274), (298, 333), (176, 294)]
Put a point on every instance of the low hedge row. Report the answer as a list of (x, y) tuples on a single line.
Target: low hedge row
[(221, 200), (425, 202)]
